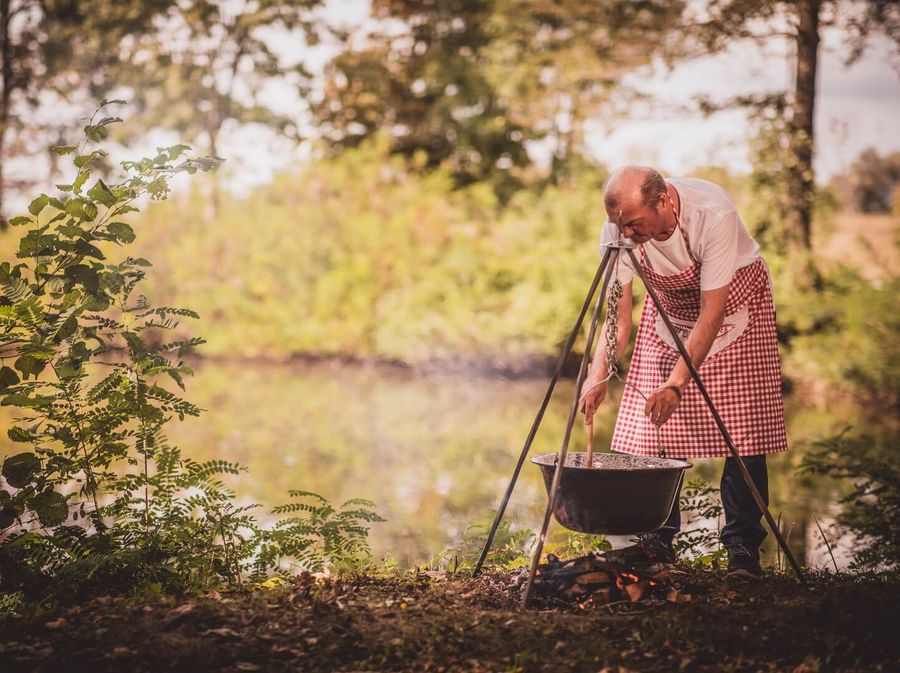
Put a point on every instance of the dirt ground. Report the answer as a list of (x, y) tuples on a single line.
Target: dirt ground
[(435, 622)]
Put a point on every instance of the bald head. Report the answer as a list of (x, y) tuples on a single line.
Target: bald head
[(633, 203), (632, 187)]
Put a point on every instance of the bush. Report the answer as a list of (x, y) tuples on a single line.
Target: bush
[(871, 508), (100, 501)]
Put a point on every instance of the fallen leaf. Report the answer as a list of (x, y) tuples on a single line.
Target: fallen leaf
[(810, 665), (175, 615), (224, 631), (676, 596)]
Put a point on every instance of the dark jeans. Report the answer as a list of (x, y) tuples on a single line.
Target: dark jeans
[(742, 514)]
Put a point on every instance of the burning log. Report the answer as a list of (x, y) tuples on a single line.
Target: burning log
[(633, 574)]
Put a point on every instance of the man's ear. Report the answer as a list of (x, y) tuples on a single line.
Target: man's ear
[(660, 204)]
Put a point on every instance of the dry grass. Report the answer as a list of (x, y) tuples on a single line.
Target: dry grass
[(871, 243)]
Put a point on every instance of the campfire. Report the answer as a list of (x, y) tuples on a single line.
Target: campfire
[(630, 575)]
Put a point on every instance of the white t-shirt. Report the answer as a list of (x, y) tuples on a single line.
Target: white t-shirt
[(716, 233)]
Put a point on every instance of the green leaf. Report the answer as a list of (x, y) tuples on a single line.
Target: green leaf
[(85, 275), (7, 517), (122, 231), (28, 364), (67, 329), (75, 208), (18, 470), (18, 400), (63, 149), (80, 180), (18, 434), (50, 506), (8, 377), (96, 302), (36, 206), (100, 192), (19, 220), (112, 101), (88, 250), (95, 132)]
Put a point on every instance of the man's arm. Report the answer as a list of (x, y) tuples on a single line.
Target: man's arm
[(663, 401), (712, 313)]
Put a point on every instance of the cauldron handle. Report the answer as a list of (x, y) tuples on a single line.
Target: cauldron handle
[(659, 445)]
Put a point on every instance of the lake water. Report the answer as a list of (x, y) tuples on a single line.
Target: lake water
[(436, 451)]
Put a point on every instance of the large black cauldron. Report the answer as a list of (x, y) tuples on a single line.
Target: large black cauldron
[(619, 494)]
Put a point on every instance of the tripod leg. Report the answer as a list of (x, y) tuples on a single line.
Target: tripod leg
[(601, 269)]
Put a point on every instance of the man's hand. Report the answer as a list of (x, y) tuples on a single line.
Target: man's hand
[(593, 392), (662, 403)]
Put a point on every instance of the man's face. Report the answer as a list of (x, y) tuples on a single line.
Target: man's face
[(639, 222)]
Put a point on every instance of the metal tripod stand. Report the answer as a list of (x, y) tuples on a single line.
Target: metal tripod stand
[(604, 272)]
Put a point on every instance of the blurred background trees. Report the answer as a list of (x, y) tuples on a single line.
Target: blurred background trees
[(788, 117), (468, 83), (485, 105)]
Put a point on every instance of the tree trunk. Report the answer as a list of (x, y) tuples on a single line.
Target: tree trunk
[(214, 204), (800, 176), (6, 76)]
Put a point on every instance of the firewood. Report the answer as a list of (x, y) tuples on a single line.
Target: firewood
[(636, 590), (602, 595), (595, 577)]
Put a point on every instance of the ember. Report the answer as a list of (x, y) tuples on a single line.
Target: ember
[(632, 574)]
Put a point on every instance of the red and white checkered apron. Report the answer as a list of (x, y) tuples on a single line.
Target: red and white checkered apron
[(742, 376)]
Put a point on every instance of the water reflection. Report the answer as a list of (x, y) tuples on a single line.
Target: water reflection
[(435, 452)]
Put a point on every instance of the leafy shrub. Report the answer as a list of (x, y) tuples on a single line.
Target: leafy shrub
[(100, 501), (514, 548), (871, 507), (700, 544)]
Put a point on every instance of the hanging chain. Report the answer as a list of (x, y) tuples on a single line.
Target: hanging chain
[(616, 292), (612, 328)]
